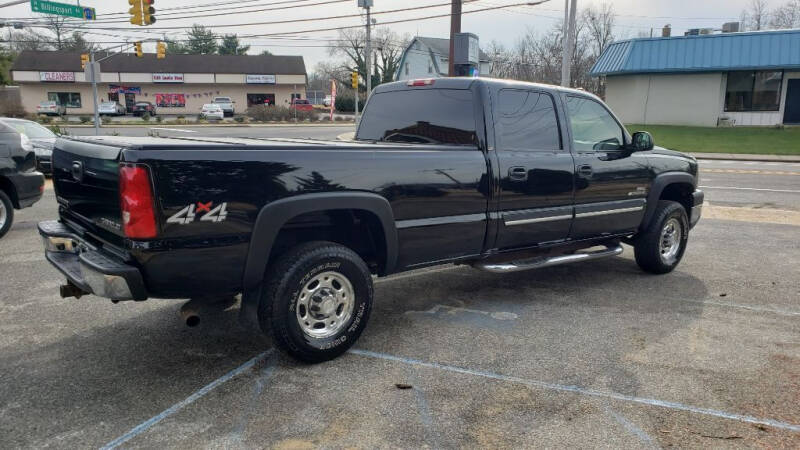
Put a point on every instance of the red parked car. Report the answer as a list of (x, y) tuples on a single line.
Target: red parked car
[(301, 105)]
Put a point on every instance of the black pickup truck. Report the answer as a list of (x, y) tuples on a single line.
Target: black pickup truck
[(500, 175)]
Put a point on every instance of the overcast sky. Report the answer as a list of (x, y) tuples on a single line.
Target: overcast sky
[(505, 26)]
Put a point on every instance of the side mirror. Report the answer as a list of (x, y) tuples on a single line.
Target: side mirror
[(642, 141)]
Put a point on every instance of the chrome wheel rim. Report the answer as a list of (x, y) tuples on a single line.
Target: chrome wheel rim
[(325, 305), (3, 215), (670, 242)]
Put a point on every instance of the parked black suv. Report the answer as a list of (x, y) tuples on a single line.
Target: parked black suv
[(500, 175), (20, 184)]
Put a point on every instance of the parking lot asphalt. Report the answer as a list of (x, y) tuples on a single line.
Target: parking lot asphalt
[(595, 354)]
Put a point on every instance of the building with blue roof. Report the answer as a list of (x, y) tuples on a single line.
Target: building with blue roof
[(750, 79)]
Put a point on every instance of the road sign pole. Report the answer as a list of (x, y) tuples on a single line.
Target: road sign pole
[(356, 118), (94, 94)]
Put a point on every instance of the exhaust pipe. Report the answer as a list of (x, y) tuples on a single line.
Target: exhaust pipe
[(190, 313), (70, 290)]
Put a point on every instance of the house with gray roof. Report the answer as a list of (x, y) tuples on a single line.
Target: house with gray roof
[(427, 57), (728, 79)]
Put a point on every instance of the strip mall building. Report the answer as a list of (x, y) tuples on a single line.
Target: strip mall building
[(178, 84)]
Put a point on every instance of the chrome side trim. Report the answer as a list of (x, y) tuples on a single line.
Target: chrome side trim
[(536, 220), (609, 211)]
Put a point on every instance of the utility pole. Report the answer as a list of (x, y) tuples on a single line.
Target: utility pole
[(455, 27), (94, 92), (568, 41), (368, 56)]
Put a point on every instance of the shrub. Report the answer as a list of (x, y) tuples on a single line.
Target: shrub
[(106, 120), (85, 119), (12, 108), (338, 118), (58, 130), (159, 119), (265, 113), (239, 119), (348, 104), (146, 117)]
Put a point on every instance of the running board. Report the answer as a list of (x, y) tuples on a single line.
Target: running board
[(538, 263)]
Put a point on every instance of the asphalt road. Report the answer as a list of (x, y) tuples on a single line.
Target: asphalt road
[(595, 354)]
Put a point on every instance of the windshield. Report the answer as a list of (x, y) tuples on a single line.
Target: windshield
[(143, 104), (30, 129), (222, 100), (422, 116), (107, 104), (47, 103), (301, 102)]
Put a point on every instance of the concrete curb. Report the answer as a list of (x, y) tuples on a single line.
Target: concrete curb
[(746, 157)]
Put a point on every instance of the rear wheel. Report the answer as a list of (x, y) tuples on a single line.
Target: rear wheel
[(660, 247), (317, 300), (6, 213)]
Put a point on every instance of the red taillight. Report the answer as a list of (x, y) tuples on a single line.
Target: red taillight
[(136, 202), (425, 82)]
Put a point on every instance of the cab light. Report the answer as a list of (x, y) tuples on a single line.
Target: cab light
[(136, 202), (425, 82)]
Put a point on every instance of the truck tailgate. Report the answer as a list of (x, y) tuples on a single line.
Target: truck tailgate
[(86, 181)]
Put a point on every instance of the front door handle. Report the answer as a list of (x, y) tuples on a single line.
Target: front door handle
[(518, 173), (585, 169)]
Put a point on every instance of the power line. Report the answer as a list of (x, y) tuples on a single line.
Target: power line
[(414, 19), (280, 22)]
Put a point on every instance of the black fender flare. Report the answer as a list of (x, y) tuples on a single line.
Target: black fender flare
[(274, 215), (660, 182)]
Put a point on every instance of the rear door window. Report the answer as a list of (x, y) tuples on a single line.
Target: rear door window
[(424, 116), (526, 121)]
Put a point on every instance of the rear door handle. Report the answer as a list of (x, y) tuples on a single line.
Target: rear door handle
[(585, 169), (518, 173)]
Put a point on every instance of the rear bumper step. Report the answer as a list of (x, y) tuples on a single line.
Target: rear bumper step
[(538, 263), (88, 268)]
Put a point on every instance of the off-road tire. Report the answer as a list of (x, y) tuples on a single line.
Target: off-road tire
[(9, 211), (647, 245), (284, 282)]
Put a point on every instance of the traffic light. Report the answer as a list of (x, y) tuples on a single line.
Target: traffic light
[(142, 12), (84, 60), (354, 79), (161, 50), (138, 47)]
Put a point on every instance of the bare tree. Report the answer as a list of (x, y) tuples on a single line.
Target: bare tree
[(786, 16), (388, 47), (755, 16), (599, 24)]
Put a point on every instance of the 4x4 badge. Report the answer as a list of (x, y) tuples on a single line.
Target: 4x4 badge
[(189, 213)]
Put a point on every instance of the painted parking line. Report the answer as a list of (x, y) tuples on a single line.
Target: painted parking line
[(736, 188), (582, 391), (147, 424), (751, 172), (174, 129)]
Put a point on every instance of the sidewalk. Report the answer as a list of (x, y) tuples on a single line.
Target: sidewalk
[(746, 157)]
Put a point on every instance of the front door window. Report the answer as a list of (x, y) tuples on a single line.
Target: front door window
[(593, 128)]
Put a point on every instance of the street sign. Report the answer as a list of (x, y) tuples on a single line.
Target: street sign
[(63, 9), (88, 72)]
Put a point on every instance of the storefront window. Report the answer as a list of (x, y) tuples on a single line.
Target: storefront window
[(68, 99), (753, 91)]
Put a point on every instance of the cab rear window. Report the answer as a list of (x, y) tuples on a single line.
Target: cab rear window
[(424, 116)]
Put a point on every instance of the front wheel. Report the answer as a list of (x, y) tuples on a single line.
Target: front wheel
[(6, 213), (660, 247), (317, 300)]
